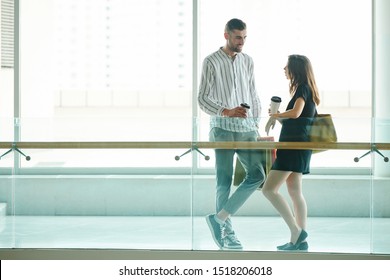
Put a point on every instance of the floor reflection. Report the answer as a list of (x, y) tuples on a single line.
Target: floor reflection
[(338, 235)]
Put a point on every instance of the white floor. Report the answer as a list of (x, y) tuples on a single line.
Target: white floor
[(334, 235)]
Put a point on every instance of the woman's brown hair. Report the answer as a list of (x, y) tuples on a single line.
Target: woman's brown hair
[(301, 72)]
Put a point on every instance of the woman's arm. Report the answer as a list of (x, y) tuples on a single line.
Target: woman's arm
[(293, 113)]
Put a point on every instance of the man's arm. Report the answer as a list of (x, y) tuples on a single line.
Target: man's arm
[(205, 89)]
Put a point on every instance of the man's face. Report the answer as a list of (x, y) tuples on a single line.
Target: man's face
[(236, 40)]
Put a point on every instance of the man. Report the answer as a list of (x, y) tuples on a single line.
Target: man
[(228, 81)]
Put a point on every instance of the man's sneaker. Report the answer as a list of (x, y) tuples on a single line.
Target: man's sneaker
[(231, 242), (216, 230)]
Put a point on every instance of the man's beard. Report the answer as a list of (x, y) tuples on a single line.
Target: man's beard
[(236, 49)]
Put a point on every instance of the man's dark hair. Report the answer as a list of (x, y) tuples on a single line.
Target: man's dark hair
[(233, 24)]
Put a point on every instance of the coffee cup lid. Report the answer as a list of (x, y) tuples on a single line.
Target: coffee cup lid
[(276, 99)]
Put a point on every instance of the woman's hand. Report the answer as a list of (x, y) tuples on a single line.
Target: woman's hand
[(270, 124)]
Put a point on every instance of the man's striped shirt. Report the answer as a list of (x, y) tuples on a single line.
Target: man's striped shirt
[(226, 83)]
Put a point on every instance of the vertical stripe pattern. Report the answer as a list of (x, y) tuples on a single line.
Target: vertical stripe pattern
[(226, 83)]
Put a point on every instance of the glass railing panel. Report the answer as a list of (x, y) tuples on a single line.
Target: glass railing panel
[(337, 191), (101, 190), (338, 215), (126, 196), (105, 209)]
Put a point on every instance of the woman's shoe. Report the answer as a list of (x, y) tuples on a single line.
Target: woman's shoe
[(299, 245), (282, 247), (302, 236), (303, 246)]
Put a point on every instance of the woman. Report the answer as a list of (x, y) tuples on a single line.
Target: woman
[(290, 165)]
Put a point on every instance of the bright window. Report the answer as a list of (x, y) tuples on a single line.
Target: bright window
[(106, 71), (335, 35), (101, 70)]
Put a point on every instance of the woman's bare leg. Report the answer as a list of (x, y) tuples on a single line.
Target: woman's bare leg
[(271, 191), (294, 187)]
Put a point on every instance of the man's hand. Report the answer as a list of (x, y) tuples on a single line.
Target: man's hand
[(238, 112)]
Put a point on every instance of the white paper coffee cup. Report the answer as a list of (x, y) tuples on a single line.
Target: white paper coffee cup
[(275, 103)]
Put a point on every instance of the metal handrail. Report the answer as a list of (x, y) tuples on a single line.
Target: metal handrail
[(200, 145), (196, 146)]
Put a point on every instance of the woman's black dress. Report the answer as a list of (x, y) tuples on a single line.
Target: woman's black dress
[(296, 130)]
